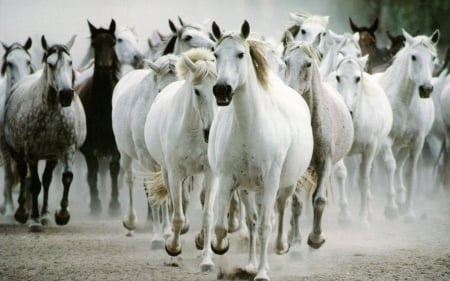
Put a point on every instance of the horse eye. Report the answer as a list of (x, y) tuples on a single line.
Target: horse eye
[(188, 37), (196, 92), (413, 57), (28, 62), (303, 31), (70, 62), (119, 40), (216, 55), (240, 55), (308, 64), (338, 78), (324, 34), (9, 64), (357, 79)]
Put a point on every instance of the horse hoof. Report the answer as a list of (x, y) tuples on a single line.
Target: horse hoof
[(208, 267), (218, 251), (21, 216), (263, 277), (391, 213), (96, 208), (284, 250), (315, 241), (157, 244), (233, 225), (45, 219), (62, 217), (114, 209), (199, 242), (173, 254), (185, 228), (130, 227), (35, 226)]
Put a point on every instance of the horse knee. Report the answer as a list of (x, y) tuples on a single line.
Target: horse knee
[(114, 168), (67, 178), (341, 173), (319, 202)]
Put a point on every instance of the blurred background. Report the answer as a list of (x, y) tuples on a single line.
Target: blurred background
[(60, 19)]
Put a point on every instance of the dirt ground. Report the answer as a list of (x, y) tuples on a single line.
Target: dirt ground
[(98, 249)]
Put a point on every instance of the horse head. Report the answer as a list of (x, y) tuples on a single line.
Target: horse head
[(306, 27), (367, 38), (127, 48), (58, 71), (165, 70), (17, 61), (186, 37), (103, 41)]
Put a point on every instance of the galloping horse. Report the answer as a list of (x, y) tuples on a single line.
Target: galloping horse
[(96, 94), (407, 83), (16, 65), (331, 124), (176, 134), (44, 119), (261, 140)]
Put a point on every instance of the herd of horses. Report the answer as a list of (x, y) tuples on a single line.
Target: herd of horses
[(250, 120)]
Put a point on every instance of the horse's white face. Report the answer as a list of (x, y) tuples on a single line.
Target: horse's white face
[(348, 80), (18, 65), (192, 38), (204, 103), (127, 48), (233, 62), (327, 40), (420, 63), (348, 47), (298, 70)]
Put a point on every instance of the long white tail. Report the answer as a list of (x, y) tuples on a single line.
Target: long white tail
[(156, 191)]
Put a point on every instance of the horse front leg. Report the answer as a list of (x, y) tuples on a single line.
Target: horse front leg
[(35, 188), (208, 215), (114, 169), (341, 176), (271, 182), (220, 244), (282, 245), (391, 208), (92, 171), (233, 217), (62, 215), (130, 219), (411, 176), (365, 170), (10, 179), (248, 200), (319, 200), (46, 181)]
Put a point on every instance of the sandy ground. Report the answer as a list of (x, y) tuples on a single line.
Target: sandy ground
[(98, 249)]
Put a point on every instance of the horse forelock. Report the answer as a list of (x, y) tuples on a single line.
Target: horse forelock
[(306, 47), (167, 64), (59, 49), (418, 41), (205, 65)]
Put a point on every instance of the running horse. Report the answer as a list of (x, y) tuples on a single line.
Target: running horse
[(44, 120), (96, 96)]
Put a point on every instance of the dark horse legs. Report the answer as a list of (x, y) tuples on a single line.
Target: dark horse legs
[(46, 180), (114, 168)]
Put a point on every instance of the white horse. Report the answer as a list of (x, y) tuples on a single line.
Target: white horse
[(306, 27), (261, 140), (445, 104), (331, 124), (176, 133), (372, 122), (132, 98), (44, 119), (407, 83), (16, 65)]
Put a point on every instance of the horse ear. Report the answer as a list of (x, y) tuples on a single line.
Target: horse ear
[(363, 61), (374, 26), (408, 37), (298, 19), (92, 28), (294, 30), (190, 65), (153, 66), (69, 44), (353, 26), (216, 31), (5, 46), (112, 26), (181, 21), (172, 26), (435, 36), (245, 29), (288, 38), (27, 44), (44, 43)]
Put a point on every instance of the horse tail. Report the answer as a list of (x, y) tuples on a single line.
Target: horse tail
[(155, 189), (309, 181)]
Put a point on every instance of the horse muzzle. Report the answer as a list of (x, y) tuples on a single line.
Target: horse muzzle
[(223, 94), (425, 90), (65, 97)]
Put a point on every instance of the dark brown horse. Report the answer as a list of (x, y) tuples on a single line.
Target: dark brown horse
[(96, 94)]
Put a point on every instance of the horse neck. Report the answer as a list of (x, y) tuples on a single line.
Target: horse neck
[(326, 65), (313, 96), (190, 118), (248, 101), (104, 81), (402, 90)]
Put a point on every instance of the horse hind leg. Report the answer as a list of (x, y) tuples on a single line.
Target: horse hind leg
[(21, 215), (341, 176), (62, 215), (295, 236), (282, 246), (114, 169), (391, 208), (11, 178), (364, 183), (46, 181), (233, 215), (92, 171)]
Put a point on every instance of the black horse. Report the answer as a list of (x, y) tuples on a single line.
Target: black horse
[(96, 94)]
